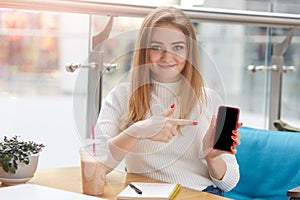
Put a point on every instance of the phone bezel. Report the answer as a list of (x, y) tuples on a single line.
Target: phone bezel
[(223, 140)]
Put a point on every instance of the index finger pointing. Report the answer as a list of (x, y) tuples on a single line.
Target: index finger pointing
[(182, 122)]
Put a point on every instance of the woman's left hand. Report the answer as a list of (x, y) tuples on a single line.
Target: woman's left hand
[(208, 141)]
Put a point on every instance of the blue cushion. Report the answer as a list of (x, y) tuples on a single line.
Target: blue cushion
[(269, 163)]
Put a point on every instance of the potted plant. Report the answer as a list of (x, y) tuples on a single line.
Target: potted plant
[(18, 160)]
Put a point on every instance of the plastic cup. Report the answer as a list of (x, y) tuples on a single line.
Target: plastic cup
[(93, 174)]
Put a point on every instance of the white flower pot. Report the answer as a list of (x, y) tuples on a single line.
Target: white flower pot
[(23, 174)]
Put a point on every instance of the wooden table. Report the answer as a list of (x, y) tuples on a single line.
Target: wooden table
[(69, 179)]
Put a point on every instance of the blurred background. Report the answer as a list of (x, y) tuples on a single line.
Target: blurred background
[(38, 95)]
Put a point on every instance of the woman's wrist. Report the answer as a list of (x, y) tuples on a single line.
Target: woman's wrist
[(122, 144), (216, 167), (211, 159)]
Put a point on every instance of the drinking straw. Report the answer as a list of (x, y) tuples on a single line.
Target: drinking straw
[(93, 138)]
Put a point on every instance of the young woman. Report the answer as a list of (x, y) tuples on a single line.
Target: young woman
[(162, 123)]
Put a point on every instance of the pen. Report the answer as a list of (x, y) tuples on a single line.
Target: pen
[(137, 190)]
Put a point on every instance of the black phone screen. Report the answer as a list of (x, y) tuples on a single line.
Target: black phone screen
[(227, 119)]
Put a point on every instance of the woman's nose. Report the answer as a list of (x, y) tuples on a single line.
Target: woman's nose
[(167, 55)]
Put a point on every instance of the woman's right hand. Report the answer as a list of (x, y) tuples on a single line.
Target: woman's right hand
[(158, 127)]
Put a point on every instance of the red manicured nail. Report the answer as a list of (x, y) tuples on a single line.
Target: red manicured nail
[(233, 137), (195, 123), (173, 105), (232, 148)]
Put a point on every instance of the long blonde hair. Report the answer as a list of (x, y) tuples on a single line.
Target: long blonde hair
[(193, 89)]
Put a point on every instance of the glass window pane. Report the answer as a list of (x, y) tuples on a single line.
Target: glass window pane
[(233, 48), (36, 92), (290, 108)]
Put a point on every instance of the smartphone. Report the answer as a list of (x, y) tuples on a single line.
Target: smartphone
[(227, 121)]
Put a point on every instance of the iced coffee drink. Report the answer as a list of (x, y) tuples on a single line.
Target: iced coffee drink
[(93, 174)]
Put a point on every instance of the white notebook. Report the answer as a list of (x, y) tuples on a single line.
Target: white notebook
[(161, 191), (38, 192)]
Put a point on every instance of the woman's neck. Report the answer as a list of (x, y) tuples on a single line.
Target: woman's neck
[(173, 88)]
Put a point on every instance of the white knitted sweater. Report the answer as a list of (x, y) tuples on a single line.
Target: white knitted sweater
[(179, 161)]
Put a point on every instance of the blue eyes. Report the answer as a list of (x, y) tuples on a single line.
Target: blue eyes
[(178, 48), (175, 48), (156, 47)]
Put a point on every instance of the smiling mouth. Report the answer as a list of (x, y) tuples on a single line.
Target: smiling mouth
[(166, 66)]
